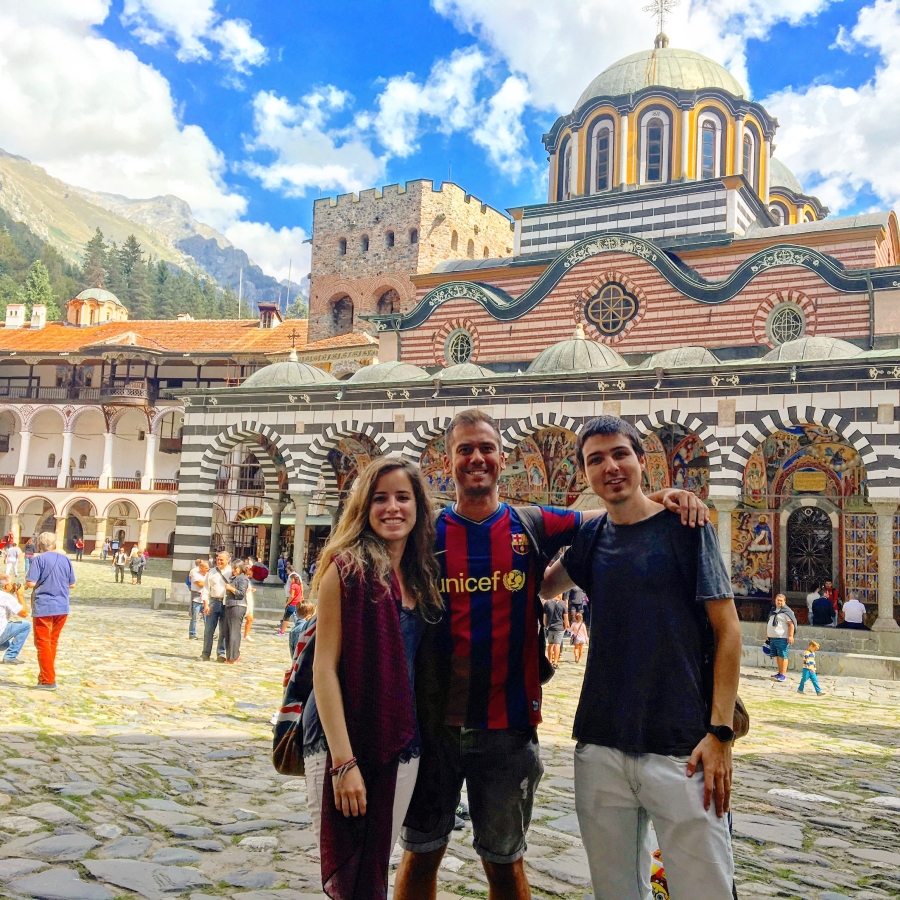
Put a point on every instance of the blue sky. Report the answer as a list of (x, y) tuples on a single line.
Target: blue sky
[(249, 109)]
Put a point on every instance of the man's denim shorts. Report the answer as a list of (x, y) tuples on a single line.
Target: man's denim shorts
[(555, 636), (501, 768), (779, 647)]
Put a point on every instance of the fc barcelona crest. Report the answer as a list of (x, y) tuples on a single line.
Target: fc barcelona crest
[(520, 544)]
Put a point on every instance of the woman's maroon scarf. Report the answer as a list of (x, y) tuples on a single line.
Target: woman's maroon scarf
[(378, 708)]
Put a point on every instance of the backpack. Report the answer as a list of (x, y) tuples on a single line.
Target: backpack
[(287, 737)]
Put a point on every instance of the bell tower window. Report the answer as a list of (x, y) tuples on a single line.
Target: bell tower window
[(600, 151), (708, 151), (654, 150), (655, 155)]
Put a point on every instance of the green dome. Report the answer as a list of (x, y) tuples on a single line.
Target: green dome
[(781, 176), (100, 295), (291, 373), (387, 371), (576, 355), (812, 348), (679, 357), (464, 372), (664, 66)]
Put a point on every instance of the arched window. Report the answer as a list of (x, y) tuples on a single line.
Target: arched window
[(564, 170), (414, 236), (470, 249), (364, 243), (751, 156), (487, 253), (51, 461), (342, 315), (388, 302), (655, 137), (389, 239), (779, 210), (82, 461), (454, 240), (711, 145), (600, 149), (808, 217), (342, 246)]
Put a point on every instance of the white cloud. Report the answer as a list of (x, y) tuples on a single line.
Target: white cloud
[(193, 24), (842, 141), (277, 251), (559, 47), (307, 153), (502, 133)]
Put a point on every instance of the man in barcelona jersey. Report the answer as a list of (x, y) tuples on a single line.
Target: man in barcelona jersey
[(478, 685)]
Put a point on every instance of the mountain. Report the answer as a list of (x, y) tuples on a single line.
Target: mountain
[(67, 216)]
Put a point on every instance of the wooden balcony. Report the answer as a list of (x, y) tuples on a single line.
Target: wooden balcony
[(35, 392), (165, 484), (84, 483), (7, 480), (126, 484), (40, 481), (128, 391)]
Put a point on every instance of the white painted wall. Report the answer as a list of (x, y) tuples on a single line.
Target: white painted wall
[(46, 438)]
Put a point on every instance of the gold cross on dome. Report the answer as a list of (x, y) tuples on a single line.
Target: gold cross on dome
[(661, 9)]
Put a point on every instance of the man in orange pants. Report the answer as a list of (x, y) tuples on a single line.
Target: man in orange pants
[(51, 576)]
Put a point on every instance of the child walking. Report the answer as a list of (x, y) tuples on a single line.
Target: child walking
[(579, 636), (809, 669)]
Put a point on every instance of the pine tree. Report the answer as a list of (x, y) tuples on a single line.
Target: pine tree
[(298, 308), (115, 279), (134, 272), (10, 292), (39, 290), (93, 271)]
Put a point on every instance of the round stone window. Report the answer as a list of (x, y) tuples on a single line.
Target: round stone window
[(786, 323), (611, 308), (458, 348)]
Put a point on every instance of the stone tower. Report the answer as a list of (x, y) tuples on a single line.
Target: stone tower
[(365, 247)]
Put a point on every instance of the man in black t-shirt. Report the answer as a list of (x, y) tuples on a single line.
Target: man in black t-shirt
[(657, 704), (556, 621)]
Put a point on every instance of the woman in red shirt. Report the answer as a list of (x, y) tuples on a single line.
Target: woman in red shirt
[(295, 597)]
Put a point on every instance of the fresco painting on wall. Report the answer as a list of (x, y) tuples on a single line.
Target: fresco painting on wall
[(432, 465), (752, 554), (676, 458), (755, 482), (348, 458), (861, 557), (543, 469), (656, 474), (525, 478)]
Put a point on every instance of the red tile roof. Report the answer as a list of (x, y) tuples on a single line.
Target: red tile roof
[(202, 337)]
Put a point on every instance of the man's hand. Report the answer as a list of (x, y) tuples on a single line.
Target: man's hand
[(717, 770), (205, 609), (693, 510)]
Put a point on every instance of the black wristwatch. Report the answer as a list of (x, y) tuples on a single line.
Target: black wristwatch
[(722, 733)]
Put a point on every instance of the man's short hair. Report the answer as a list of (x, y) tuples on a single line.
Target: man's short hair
[(471, 417), (5, 580), (224, 553), (604, 425), (47, 541)]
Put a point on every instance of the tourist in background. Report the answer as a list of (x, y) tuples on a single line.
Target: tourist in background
[(809, 669), (249, 614), (854, 614), (217, 580), (780, 627), (376, 587), (12, 555), (199, 595), (282, 568), (306, 612), (29, 555), (235, 604), (79, 548), (51, 577), (120, 558), (556, 622), (13, 633), (579, 636), (295, 597), (107, 549), (831, 592), (136, 563), (822, 614), (811, 598)]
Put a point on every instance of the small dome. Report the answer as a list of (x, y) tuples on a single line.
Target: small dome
[(100, 295), (387, 371), (812, 348), (464, 372), (577, 354), (287, 374), (664, 66), (680, 357), (782, 176)]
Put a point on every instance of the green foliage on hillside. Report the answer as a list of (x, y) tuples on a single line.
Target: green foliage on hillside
[(151, 289)]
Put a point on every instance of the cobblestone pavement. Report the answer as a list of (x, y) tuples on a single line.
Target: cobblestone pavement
[(148, 775)]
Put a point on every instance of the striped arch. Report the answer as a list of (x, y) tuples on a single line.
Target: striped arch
[(734, 466), (663, 417), (422, 436), (223, 443), (314, 462), (513, 435)]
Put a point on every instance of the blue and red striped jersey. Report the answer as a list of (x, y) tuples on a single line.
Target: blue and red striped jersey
[(490, 624)]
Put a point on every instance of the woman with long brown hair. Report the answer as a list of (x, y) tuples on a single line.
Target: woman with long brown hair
[(377, 587)]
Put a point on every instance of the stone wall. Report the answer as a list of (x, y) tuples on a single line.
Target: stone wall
[(367, 245)]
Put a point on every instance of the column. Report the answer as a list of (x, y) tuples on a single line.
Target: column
[(106, 471), (63, 477), (15, 526), (100, 525), (301, 508), (885, 620), (274, 544), (576, 173), (149, 475), (738, 145), (61, 534), (25, 437), (767, 153), (143, 534), (725, 506), (623, 152), (685, 143)]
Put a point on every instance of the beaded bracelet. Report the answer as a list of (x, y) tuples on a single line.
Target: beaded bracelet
[(343, 769)]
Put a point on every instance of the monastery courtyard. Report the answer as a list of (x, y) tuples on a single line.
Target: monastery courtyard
[(148, 774)]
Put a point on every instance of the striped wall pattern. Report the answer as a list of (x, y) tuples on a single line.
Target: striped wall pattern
[(673, 416), (314, 462), (513, 435), (422, 436)]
